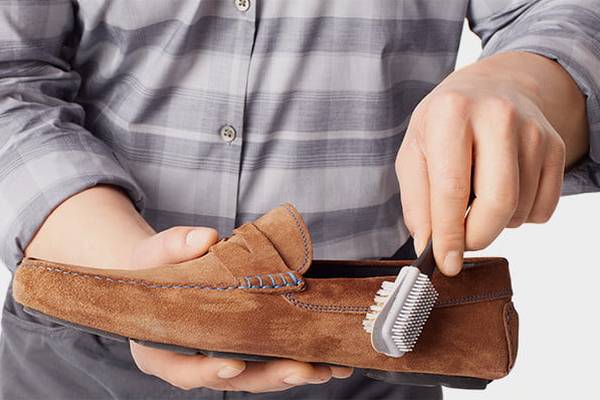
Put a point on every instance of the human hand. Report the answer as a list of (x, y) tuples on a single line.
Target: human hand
[(194, 371), (486, 118)]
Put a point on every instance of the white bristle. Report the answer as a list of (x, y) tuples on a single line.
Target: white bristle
[(412, 313)]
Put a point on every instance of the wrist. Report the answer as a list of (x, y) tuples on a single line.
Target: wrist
[(97, 227)]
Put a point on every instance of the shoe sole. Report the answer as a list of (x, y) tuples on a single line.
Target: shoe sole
[(399, 378)]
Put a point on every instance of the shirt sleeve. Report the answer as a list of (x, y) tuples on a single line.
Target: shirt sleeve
[(46, 155), (565, 31)]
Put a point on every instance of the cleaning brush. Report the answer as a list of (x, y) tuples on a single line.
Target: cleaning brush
[(402, 307)]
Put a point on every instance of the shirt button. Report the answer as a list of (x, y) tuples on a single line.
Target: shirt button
[(228, 133), (242, 5)]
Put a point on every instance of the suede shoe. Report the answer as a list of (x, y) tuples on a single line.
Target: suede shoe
[(259, 295)]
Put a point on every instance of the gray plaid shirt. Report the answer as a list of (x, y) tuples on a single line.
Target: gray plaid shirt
[(210, 112)]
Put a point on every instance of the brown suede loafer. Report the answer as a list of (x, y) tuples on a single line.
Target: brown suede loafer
[(259, 294)]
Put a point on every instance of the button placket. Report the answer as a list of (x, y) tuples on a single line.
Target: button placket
[(233, 138)]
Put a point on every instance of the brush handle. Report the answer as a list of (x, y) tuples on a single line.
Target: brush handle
[(426, 261)]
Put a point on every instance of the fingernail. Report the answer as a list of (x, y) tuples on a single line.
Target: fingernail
[(453, 262), (347, 375), (420, 245), (195, 238), (228, 372), (295, 380)]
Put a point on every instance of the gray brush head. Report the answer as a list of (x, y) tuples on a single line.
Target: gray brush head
[(401, 310)]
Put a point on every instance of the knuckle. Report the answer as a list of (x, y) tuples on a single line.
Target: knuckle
[(506, 116), (454, 188), (503, 205), (532, 135), (556, 154), (504, 108), (450, 238), (453, 100)]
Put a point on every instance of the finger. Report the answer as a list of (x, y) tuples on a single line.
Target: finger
[(175, 245), (341, 372), (550, 185), (279, 375), (531, 156), (448, 151), (185, 371), (411, 169), (496, 183)]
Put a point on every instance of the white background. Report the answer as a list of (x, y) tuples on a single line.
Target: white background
[(556, 281)]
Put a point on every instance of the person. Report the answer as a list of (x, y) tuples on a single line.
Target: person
[(136, 133)]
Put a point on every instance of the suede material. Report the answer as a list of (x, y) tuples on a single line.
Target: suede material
[(487, 279), (247, 295), (511, 324), (251, 245), (289, 234)]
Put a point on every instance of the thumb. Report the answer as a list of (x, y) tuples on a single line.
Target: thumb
[(177, 244)]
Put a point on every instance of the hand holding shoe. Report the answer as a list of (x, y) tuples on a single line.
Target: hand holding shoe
[(188, 372)]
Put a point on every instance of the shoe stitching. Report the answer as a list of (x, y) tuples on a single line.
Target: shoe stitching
[(325, 307), (248, 279), (471, 299), (364, 309), (302, 234), (283, 278), (294, 278), (261, 285)]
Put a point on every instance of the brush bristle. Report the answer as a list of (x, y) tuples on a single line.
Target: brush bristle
[(383, 294), (414, 313), (413, 299)]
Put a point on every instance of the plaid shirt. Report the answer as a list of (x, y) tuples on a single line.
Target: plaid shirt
[(210, 112)]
